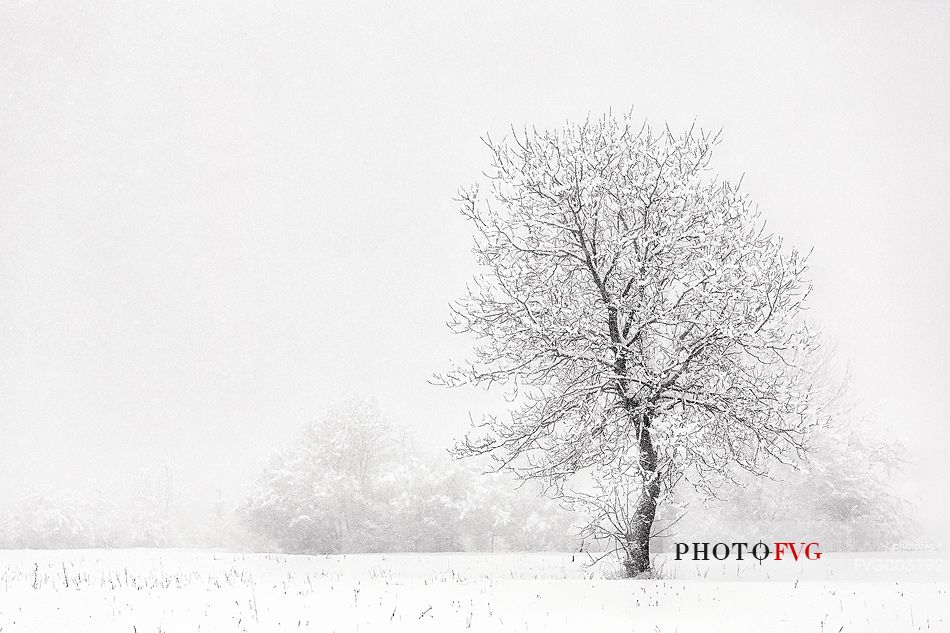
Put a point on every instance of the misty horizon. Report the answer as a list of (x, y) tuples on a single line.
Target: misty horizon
[(216, 224)]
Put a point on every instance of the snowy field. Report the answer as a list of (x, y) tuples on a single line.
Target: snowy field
[(152, 591)]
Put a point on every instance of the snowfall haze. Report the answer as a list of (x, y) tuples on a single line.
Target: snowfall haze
[(217, 219)]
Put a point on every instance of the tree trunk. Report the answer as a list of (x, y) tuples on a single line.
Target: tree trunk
[(638, 538)]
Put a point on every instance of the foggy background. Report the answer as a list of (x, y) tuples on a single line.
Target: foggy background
[(217, 220)]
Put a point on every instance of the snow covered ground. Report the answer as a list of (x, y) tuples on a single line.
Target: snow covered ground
[(155, 591)]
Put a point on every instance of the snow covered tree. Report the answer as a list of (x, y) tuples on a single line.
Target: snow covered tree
[(317, 496), (153, 515), (646, 326), (53, 519), (420, 505)]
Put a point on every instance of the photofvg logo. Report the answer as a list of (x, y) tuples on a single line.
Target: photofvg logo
[(788, 550)]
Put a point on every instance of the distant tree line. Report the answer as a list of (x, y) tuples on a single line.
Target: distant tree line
[(351, 482), (844, 496), (145, 510)]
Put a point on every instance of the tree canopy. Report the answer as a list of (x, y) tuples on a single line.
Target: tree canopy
[(643, 321)]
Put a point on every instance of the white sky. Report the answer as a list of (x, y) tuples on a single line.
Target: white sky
[(215, 221)]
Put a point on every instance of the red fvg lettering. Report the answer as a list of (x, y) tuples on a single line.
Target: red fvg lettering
[(806, 551)]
